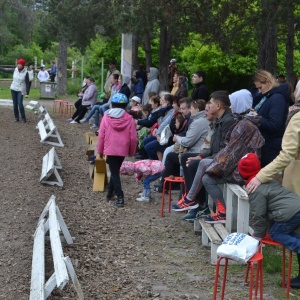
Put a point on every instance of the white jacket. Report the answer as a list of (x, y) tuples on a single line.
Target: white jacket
[(43, 76), (18, 83)]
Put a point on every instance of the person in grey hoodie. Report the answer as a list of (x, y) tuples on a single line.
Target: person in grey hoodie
[(153, 84)]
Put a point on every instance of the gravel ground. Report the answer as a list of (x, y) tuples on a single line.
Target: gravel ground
[(127, 253)]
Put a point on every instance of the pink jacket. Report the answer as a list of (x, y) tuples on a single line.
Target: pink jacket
[(117, 134)]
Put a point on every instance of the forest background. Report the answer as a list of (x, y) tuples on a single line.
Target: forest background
[(230, 40)]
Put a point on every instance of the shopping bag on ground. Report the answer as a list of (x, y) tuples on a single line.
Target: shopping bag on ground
[(239, 247)]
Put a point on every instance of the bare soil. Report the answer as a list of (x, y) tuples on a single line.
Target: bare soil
[(126, 253)]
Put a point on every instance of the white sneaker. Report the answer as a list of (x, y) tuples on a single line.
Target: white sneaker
[(94, 126), (140, 194), (70, 120), (73, 122), (143, 199), (84, 120)]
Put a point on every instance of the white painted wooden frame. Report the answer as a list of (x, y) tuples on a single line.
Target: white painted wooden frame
[(39, 290), (50, 165), (33, 105), (48, 130)]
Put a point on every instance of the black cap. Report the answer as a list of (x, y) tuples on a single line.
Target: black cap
[(112, 62)]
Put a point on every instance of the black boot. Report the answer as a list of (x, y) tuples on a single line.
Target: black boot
[(110, 195), (120, 202)]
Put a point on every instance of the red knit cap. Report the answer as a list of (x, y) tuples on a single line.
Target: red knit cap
[(21, 61), (249, 166)]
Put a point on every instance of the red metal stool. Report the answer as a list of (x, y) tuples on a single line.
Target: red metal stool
[(268, 241), (57, 105), (170, 180), (255, 260), (68, 109)]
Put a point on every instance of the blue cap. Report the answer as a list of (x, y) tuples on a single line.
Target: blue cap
[(119, 98)]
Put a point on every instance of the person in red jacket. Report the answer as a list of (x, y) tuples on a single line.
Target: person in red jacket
[(117, 139)]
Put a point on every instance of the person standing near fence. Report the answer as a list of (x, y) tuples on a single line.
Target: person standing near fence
[(18, 88), (28, 79), (53, 72)]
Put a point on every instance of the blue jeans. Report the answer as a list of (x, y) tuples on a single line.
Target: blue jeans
[(104, 108), (146, 182), (283, 232), (149, 144), (17, 98), (94, 112)]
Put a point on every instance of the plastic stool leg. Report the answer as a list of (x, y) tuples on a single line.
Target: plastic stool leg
[(288, 285), (163, 200), (224, 278), (170, 194), (283, 268), (216, 278)]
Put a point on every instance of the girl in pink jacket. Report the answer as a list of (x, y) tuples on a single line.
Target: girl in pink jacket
[(117, 139)]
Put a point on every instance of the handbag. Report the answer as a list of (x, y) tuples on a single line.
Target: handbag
[(165, 135)]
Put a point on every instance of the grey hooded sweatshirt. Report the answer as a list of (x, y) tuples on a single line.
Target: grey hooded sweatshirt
[(153, 84)]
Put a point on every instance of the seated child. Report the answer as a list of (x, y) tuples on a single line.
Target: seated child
[(275, 208), (179, 149)]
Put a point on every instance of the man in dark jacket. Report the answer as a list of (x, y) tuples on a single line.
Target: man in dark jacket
[(200, 90), (275, 207)]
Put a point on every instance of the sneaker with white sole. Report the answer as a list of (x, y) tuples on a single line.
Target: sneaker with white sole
[(74, 122), (94, 126), (70, 120), (143, 199), (84, 120)]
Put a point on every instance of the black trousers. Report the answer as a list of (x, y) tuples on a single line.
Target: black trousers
[(80, 112), (114, 163)]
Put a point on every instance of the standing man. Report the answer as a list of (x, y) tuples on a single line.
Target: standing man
[(53, 71), (200, 90), (172, 69), (112, 70), (28, 78)]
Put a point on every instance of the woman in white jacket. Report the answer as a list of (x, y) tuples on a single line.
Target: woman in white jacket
[(18, 88)]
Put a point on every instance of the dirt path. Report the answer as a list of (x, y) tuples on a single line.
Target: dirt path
[(129, 253)]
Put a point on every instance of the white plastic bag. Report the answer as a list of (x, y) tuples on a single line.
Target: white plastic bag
[(238, 246), (165, 135)]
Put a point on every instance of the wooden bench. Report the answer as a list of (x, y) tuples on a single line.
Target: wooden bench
[(237, 219), (213, 236), (49, 169), (48, 132), (54, 224)]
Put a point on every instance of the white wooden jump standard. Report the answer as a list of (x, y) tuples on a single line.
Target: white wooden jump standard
[(48, 130), (39, 290), (50, 165), (33, 105)]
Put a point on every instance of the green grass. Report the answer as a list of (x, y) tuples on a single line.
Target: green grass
[(33, 95)]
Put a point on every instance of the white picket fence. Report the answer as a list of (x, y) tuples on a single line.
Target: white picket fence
[(40, 289)]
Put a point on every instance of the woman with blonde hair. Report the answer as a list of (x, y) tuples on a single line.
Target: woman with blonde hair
[(270, 113)]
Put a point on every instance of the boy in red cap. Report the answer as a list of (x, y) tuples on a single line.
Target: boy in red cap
[(273, 208)]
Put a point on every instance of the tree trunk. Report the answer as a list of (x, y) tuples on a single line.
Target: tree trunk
[(267, 31), (147, 48), (62, 68), (135, 46), (290, 43), (165, 46)]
